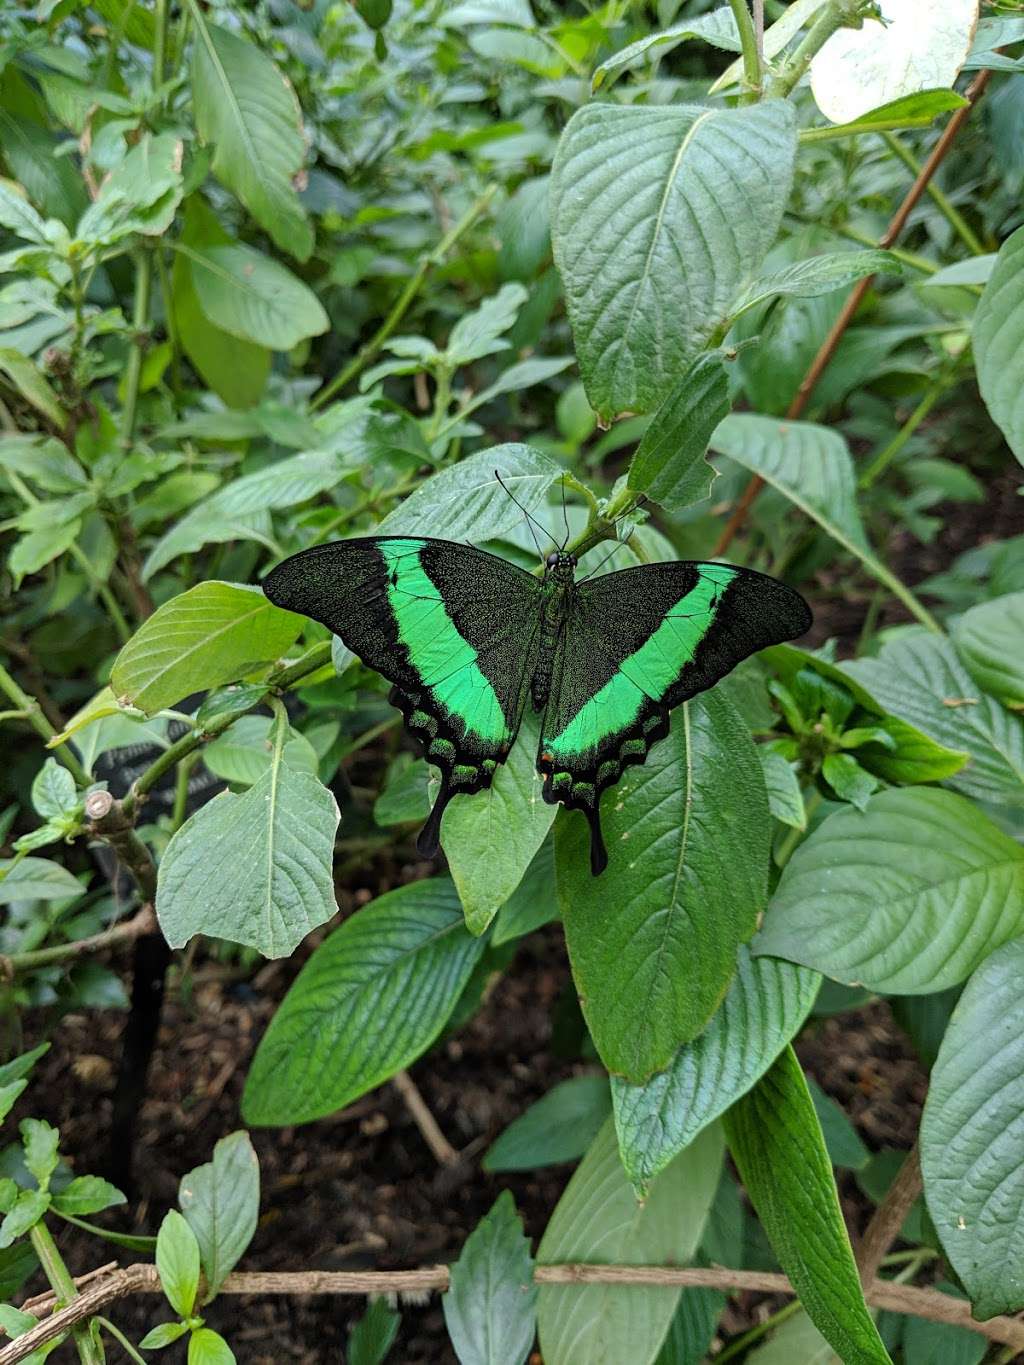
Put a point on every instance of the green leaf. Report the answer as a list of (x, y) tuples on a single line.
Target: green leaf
[(785, 799), (990, 640), (599, 1219), (26, 377), (213, 634), (39, 1141), (795, 1340), (18, 214), (9, 1095), (534, 901), (817, 275), (970, 1152), (404, 798), (693, 1328), (207, 1347), (765, 1007), (490, 839), (695, 819), (809, 464), (53, 790), (917, 110), (245, 752), (776, 37), (29, 1207), (255, 868), (775, 1139), (373, 1335), (466, 502), (848, 779), (919, 678), (39, 548), (369, 1001), (842, 1141), (42, 460), (490, 1308), (906, 755), (916, 47), (477, 334), (971, 270), (660, 217), (907, 897), (221, 1203), (141, 195), (669, 464), (17, 1263), (87, 1194), (162, 1335), (177, 1262), (558, 1128), (998, 339), (251, 296), (21, 1066), (36, 879), (717, 28), (248, 110)]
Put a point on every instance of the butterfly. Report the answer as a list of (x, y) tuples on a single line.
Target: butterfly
[(469, 640)]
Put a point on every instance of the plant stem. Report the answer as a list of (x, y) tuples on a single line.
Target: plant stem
[(942, 202), (881, 461), (752, 80), (180, 810), (740, 1344), (140, 319), (830, 18), (910, 258), (825, 134), (368, 736), (127, 931), (89, 1352), (34, 715), (121, 1339), (415, 282)]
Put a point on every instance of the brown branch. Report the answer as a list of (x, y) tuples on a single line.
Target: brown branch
[(888, 1218), (134, 1279), (443, 1151), (127, 931), (109, 822), (827, 349)]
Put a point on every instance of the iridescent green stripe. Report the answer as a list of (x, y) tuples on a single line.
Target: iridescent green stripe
[(650, 671), (444, 661)]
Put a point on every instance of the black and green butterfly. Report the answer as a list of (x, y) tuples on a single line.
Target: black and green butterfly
[(469, 640)]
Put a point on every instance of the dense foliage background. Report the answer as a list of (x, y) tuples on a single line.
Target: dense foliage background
[(275, 274)]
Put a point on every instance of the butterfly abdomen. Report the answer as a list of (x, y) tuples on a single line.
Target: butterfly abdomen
[(550, 625)]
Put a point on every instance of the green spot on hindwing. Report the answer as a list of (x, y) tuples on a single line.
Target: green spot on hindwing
[(442, 749)]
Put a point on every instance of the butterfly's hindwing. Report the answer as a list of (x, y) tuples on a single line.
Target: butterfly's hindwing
[(634, 645), (453, 628)]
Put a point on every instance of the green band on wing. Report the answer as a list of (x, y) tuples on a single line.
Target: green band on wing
[(651, 671), (444, 661)]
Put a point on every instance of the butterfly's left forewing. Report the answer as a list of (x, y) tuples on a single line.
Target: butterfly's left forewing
[(635, 644), (453, 628)]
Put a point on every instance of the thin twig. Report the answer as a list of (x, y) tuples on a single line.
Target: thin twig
[(142, 922), (442, 1149), (141, 1278), (888, 1218), (828, 347)]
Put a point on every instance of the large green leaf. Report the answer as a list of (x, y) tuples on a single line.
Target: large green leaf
[(490, 1308), (212, 634), (688, 835), (221, 1203), (598, 1219), (490, 839), (660, 217), (141, 195), (669, 464), (998, 336), (907, 896), (370, 1000), (251, 296), (775, 1139), (248, 110), (466, 502), (254, 869), (717, 28), (971, 1135), (559, 1127), (244, 752), (764, 1008), (817, 275), (990, 640), (918, 677), (36, 879)]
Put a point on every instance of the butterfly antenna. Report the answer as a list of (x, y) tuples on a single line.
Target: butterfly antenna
[(600, 566), (529, 520), (565, 517)]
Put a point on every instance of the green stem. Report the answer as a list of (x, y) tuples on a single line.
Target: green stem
[(312, 660), (415, 282), (752, 77), (951, 214), (121, 1339), (740, 1344), (855, 129), (140, 319), (881, 462), (63, 1286), (793, 835), (180, 810), (368, 736), (899, 589), (34, 715), (159, 41), (830, 18)]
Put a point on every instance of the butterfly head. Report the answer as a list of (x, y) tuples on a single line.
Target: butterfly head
[(560, 565)]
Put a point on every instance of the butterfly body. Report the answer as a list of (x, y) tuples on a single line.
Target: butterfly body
[(468, 640)]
